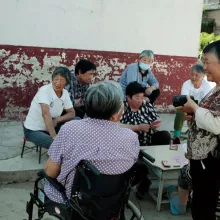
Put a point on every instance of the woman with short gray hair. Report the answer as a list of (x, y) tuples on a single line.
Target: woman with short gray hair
[(112, 100), (141, 72), (97, 138)]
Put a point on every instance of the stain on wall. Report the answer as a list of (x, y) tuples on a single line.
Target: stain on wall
[(24, 69)]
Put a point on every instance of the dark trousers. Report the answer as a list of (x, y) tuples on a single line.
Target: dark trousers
[(161, 138), (205, 183), (141, 179), (80, 112), (154, 95), (41, 138)]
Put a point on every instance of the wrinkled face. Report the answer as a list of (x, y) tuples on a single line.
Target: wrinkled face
[(146, 60), (86, 77), (211, 67), (196, 77), (136, 100), (58, 83)]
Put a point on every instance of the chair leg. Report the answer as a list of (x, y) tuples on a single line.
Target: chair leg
[(36, 148), (22, 151), (29, 208), (39, 154)]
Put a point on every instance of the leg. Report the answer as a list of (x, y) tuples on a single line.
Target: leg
[(184, 184), (39, 138), (178, 123), (205, 188), (159, 195), (141, 178), (161, 138), (154, 95), (22, 151)]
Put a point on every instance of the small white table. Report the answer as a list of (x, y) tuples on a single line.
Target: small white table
[(162, 152)]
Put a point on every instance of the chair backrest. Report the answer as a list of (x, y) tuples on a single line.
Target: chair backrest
[(102, 195)]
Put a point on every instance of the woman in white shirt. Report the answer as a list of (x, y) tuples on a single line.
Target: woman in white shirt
[(45, 116), (197, 87)]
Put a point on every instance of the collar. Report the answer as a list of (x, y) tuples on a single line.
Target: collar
[(54, 95)]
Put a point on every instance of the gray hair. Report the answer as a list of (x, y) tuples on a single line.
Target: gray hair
[(103, 100), (147, 53), (198, 68)]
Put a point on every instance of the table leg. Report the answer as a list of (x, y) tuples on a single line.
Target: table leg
[(159, 196)]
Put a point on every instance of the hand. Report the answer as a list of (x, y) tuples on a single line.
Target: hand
[(146, 99), (143, 127), (55, 121), (54, 137), (188, 117), (189, 107), (148, 91), (78, 102), (153, 127)]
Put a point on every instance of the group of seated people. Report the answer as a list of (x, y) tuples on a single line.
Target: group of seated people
[(107, 121)]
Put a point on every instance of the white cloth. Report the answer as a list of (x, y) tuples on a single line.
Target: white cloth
[(189, 89), (46, 95)]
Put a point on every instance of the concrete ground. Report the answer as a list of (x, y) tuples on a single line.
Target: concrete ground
[(14, 197), (13, 169)]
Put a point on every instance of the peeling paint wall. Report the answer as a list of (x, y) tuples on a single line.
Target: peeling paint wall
[(32, 33), (24, 69)]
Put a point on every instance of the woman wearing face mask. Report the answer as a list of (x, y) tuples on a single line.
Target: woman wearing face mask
[(141, 72), (197, 87)]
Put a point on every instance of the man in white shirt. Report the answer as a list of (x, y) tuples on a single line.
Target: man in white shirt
[(44, 117), (197, 87)]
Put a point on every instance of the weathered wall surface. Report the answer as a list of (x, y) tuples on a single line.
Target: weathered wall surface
[(24, 69), (32, 33)]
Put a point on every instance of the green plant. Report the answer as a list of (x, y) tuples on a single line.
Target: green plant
[(205, 39)]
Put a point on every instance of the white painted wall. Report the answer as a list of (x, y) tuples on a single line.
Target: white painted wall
[(169, 27)]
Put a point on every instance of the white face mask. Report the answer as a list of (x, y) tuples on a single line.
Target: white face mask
[(144, 66)]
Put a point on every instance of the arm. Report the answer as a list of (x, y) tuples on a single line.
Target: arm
[(48, 119), (52, 169), (152, 81), (207, 121), (140, 127), (53, 164), (70, 114)]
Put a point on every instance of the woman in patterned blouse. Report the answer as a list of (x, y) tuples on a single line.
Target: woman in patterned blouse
[(139, 115), (204, 131)]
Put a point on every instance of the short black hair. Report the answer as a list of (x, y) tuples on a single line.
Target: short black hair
[(62, 71), (214, 48), (83, 66), (134, 88)]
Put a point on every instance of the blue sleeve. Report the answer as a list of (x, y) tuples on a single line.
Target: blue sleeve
[(152, 81), (128, 75)]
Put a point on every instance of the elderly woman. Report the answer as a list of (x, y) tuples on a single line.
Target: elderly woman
[(44, 117), (197, 87), (141, 72), (203, 139), (98, 139), (139, 115)]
